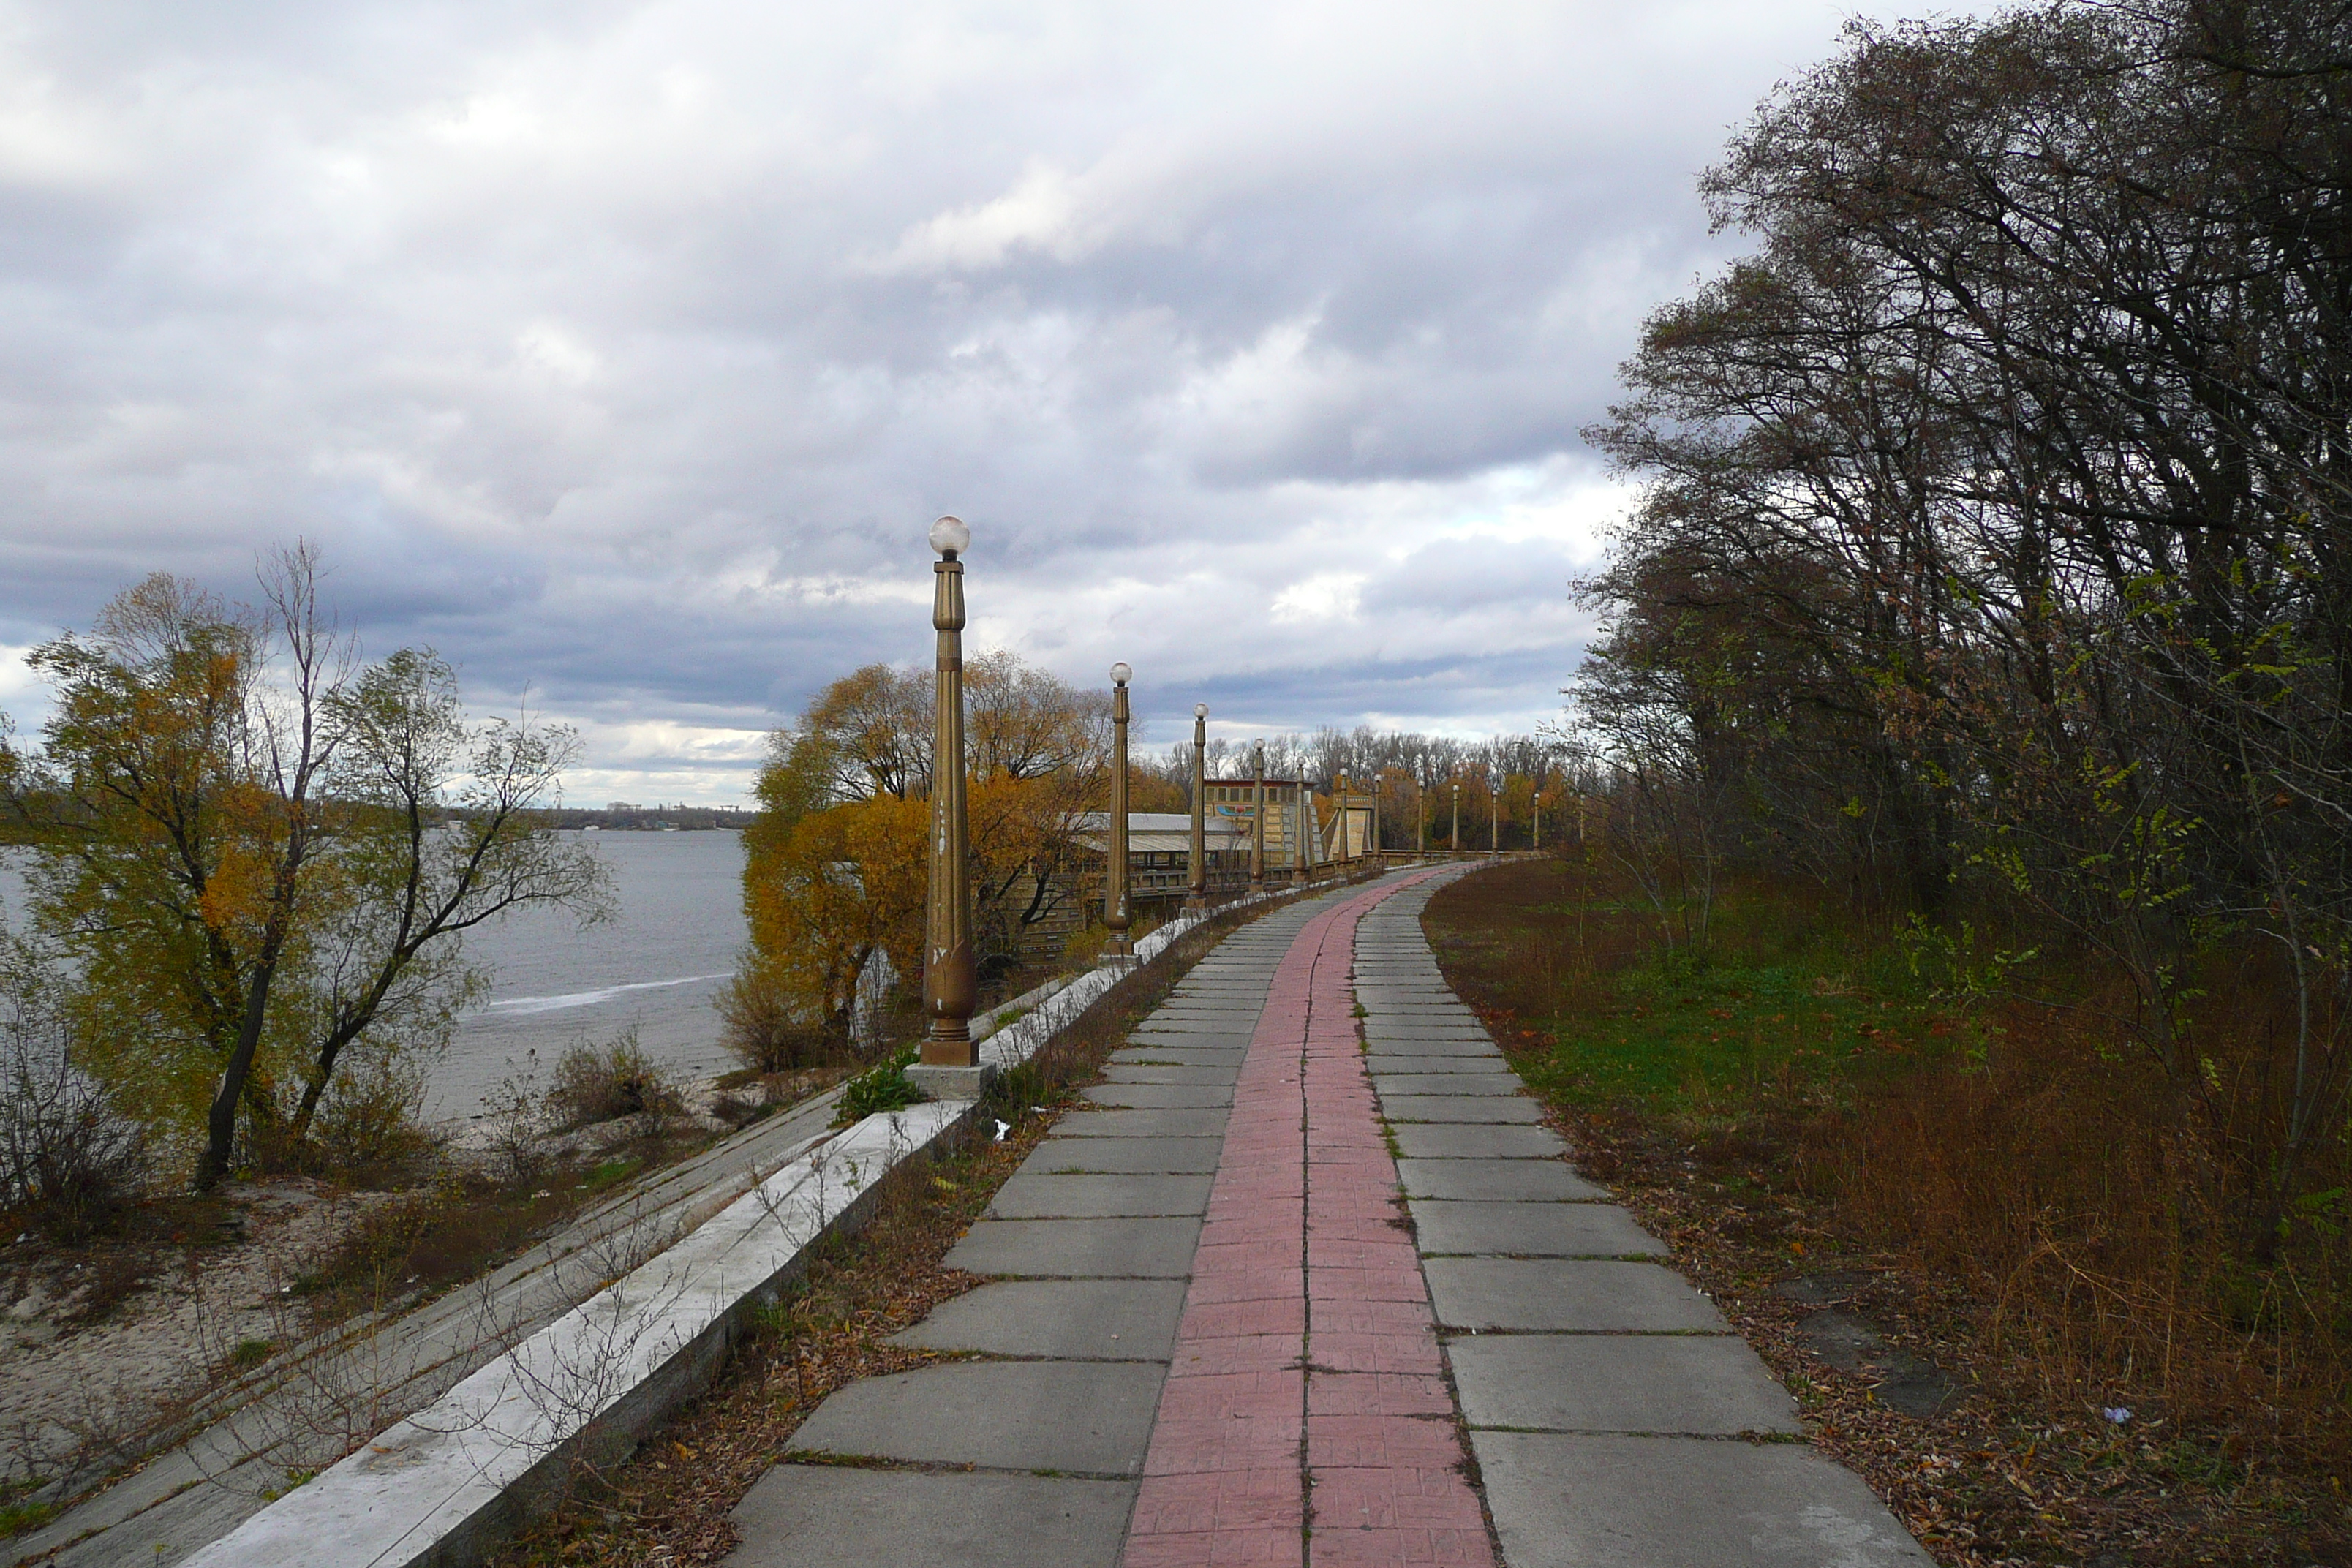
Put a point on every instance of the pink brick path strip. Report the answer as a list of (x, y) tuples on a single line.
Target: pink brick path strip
[(1306, 1372)]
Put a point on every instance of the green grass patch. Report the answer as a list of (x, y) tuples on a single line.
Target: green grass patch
[(17, 1518), (1679, 1032), (1782, 996), (611, 1172)]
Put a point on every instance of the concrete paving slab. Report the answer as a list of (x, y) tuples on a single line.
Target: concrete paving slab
[(1208, 1039), (1091, 1417), (1564, 1294), (1529, 1230), (1114, 1122), (1132, 1072), (1491, 1110), (1031, 1195), (1704, 1386), (1489, 1082), (823, 1516), (1067, 1155), (1514, 1180), (1383, 1042), (1681, 1502), (1225, 1058), (1071, 1320), (1383, 1063), (1454, 1140), (1161, 1096), (1158, 1249)]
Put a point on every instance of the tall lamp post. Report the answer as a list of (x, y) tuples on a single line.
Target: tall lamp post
[(1116, 917), (1495, 816), (1420, 819), (1257, 822), (1198, 899), (1457, 817), (1339, 839), (950, 983)]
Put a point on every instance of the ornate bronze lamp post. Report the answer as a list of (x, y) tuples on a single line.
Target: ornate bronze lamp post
[(1494, 816), (1199, 898), (1258, 824), (1457, 817), (950, 985), (1116, 914), (1420, 818)]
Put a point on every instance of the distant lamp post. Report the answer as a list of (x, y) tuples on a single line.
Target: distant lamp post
[(1420, 819), (1257, 823), (1457, 817), (1340, 837), (1299, 811), (950, 983), (1495, 816), (1199, 898), (1115, 915), (1535, 840)]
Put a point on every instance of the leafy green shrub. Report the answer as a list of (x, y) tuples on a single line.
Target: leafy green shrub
[(880, 1089)]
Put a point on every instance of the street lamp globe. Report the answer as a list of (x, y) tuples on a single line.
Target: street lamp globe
[(949, 537), (1120, 674), (1199, 709)]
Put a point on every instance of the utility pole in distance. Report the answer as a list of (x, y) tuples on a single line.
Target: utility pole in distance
[(1116, 914), (1198, 900)]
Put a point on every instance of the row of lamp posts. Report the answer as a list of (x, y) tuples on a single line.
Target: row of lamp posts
[(950, 978)]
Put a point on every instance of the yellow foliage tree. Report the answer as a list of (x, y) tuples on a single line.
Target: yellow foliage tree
[(837, 864), (823, 898), (261, 853)]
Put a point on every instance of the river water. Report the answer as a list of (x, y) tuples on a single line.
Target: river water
[(656, 968)]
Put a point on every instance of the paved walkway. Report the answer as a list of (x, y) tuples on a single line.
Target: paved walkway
[(1274, 1301)]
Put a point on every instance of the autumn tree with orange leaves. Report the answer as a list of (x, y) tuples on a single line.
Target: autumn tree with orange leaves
[(835, 867)]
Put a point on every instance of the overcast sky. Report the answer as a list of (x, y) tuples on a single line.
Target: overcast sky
[(624, 352)]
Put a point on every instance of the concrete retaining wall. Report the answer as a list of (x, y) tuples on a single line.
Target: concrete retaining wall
[(443, 1487)]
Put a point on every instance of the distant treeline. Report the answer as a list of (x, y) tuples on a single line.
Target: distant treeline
[(655, 818)]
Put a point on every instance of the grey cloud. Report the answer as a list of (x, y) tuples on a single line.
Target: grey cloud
[(624, 352)]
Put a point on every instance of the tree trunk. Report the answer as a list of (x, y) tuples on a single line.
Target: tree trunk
[(221, 1126)]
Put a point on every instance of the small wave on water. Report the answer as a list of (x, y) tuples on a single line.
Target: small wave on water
[(519, 1007)]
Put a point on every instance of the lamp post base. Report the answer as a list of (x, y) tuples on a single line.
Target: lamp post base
[(952, 1082)]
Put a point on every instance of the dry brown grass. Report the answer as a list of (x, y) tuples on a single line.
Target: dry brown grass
[(2050, 1225)]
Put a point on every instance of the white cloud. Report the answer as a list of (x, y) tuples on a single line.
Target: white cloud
[(1040, 213), (1325, 596)]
